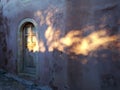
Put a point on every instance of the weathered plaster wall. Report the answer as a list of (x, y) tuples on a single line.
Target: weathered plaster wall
[(90, 27), (98, 69), (3, 39), (48, 14)]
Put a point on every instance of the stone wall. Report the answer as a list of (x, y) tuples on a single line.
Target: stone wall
[(49, 15), (3, 39), (95, 68), (79, 46)]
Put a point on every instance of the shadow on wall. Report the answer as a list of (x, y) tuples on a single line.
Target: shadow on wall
[(4, 33), (99, 46), (78, 42), (84, 46)]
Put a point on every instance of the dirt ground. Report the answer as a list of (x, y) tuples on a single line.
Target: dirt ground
[(8, 83)]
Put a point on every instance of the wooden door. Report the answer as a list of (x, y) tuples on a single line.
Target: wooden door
[(29, 49)]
